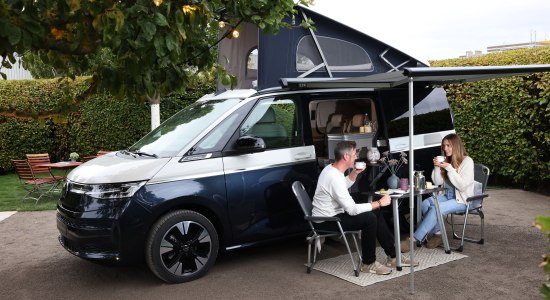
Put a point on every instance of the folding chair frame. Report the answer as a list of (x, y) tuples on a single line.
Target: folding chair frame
[(313, 239)]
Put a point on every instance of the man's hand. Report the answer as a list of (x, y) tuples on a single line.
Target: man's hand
[(385, 201)]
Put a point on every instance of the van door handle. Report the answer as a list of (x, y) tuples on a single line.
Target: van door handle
[(302, 155)]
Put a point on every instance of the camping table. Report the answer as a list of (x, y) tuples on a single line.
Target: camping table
[(396, 200)]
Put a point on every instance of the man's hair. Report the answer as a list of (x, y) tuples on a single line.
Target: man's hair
[(343, 148)]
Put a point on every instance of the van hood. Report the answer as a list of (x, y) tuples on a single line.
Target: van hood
[(117, 167)]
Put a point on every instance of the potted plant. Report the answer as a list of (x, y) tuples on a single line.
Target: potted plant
[(74, 156)]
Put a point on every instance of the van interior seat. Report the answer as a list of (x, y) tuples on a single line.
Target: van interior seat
[(357, 121), (336, 124), (273, 133)]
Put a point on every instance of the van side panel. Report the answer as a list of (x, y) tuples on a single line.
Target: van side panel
[(261, 205)]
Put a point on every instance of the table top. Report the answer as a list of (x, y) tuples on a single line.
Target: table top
[(403, 194), (62, 164)]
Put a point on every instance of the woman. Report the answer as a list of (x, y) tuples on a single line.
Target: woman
[(456, 174)]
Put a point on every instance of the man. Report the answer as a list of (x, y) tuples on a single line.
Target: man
[(333, 199)]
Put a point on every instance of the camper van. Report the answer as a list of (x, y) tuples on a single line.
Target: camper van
[(217, 175)]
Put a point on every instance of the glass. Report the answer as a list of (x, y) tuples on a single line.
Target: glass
[(175, 133)]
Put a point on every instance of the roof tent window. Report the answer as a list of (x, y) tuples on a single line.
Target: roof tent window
[(252, 64), (341, 56)]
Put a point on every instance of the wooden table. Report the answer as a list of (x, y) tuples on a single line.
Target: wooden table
[(62, 165)]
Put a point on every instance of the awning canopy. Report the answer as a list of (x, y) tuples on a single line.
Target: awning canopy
[(427, 75)]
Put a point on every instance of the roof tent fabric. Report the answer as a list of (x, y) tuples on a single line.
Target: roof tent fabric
[(293, 52), (348, 52)]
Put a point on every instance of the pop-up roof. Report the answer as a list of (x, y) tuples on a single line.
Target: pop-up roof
[(331, 50)]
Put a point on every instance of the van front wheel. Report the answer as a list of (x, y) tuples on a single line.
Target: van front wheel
[(181, 246)]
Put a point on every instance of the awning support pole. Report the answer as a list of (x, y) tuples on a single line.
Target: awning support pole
[(411, 180)]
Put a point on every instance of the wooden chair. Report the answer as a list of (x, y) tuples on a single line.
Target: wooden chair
[(36, 162), (36, 187), (90, 157)]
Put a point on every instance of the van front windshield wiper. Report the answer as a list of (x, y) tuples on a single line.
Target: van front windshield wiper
[(137, 152)]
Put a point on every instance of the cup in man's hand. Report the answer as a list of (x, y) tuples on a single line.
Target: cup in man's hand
[(360, 165)]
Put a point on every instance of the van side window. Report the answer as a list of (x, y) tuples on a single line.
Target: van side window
[(274, 120)]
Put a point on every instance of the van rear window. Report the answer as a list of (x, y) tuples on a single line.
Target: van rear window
[(431, 114)]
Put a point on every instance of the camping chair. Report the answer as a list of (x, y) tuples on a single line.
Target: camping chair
[(474, 206), (39, 187), (315, 235)]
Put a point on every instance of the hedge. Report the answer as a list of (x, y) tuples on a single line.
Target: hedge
[(43, 116), (505, 123)]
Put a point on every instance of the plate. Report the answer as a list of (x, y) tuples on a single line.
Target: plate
[(398, 191), (385, 193)]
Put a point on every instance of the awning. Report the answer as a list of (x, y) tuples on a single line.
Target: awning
[(426, 75), (410, 76)]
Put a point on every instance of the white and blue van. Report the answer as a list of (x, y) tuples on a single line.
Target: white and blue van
[(218, 174)]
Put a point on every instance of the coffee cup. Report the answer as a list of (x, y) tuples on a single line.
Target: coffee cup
[(440, 159), (429, 185), (360, 165)]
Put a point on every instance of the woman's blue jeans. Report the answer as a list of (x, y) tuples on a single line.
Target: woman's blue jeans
[(429, 222)]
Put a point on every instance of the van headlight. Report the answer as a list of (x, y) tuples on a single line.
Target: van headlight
[(107, 190)]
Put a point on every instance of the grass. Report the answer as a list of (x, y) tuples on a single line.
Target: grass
[(12, 193)]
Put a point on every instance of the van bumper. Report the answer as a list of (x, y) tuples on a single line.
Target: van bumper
[(117, 235)]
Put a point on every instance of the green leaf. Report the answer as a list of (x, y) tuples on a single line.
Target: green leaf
[(160, 19), (14, 35)]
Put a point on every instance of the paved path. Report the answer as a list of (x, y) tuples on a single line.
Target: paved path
[(34, 266)]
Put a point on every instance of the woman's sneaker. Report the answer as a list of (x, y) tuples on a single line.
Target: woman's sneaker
[(434, 242), (376, 268), (405, 262)]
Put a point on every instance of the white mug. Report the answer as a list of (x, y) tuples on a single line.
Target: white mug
[(440, 159), (360, 165)]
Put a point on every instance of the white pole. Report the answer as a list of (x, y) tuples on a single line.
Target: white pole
[(155, 115), (411, 179)]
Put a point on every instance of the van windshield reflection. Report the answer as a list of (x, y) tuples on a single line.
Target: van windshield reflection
[(180, 129)]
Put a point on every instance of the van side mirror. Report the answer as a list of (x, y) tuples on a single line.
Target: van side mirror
[(249, 144)]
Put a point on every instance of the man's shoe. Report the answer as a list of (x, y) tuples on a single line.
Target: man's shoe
[(376, 268), (405, 262), (405, 245), (434, 242)]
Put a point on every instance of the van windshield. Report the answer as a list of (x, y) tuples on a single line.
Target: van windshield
[(171, 136)]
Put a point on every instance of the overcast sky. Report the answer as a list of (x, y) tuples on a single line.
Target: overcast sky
[(440, 29)]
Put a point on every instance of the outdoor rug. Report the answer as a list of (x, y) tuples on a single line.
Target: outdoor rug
[(340, 266)]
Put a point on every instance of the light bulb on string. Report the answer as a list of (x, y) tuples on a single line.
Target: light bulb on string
[(221, 24), (235, 33), (157, 2)]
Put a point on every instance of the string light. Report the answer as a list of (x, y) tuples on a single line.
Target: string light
[(189, 8), (235, 33), (157, 2), (221, 23)]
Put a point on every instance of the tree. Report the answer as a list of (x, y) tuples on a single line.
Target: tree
[(155, 45)]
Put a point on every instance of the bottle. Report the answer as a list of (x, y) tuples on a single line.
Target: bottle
[(419, 181)]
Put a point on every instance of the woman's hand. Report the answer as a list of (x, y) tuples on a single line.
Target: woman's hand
[(385, 201), (440, 164)]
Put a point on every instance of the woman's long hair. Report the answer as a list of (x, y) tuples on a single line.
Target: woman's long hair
[(459, 152)]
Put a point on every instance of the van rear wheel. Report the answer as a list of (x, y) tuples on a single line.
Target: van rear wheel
[(181, 246)]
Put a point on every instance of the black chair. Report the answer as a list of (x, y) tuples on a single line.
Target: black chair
[(315, 235), (474, 205)]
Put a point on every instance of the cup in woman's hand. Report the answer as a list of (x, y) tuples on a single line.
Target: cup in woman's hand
[(440, 159)]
